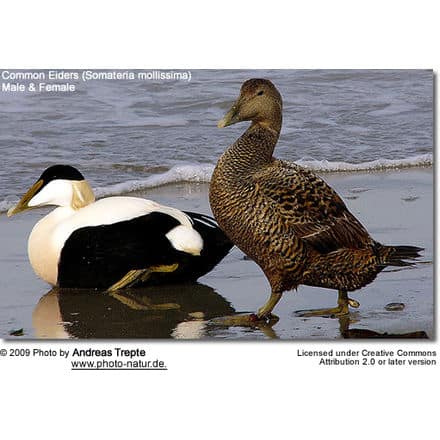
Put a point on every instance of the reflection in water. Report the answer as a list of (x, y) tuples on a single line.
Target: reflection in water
[(359, 333), (188, 311), (245, 320), (178, 311)]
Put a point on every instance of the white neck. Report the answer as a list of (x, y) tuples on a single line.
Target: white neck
[(43, 246)]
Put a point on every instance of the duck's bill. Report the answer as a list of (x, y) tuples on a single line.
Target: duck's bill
[(23, 204), (230, 118)]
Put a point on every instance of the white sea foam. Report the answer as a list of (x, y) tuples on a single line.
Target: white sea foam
[(202, 174), (179, 173), (5, 205), (422, 160)]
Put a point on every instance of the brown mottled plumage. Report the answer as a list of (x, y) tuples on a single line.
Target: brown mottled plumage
[(287, 219)]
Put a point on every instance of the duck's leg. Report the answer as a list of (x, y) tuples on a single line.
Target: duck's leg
[(265, 311), (342, 308), (128, 279), (136, 275)]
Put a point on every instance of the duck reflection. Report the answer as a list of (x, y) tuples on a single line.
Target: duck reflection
[(187, 311), (361, 333), (174, 311), (345, 329)]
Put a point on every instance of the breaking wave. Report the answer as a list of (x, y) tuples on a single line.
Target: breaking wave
[(202, 174), (423, 160), (177, 174)]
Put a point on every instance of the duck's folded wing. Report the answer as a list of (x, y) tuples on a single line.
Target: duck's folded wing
[(304, 204), (123, 252)]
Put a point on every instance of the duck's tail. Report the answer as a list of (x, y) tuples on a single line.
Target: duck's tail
[(351, 269), (399, 255)]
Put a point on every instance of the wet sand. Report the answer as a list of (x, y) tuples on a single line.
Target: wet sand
[(395, 206)]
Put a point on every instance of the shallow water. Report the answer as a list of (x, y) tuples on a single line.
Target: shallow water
[(237, 284)]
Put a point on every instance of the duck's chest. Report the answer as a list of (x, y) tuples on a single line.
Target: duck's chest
[(240, 211), (230, 195), (45, 245)]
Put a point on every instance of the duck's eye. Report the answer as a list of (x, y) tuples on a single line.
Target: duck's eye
[(260, 93)]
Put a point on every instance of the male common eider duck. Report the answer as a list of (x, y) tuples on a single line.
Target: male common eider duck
[(287, 219), (115, 242)]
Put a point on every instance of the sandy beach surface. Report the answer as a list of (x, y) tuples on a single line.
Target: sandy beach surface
[(396, 207)]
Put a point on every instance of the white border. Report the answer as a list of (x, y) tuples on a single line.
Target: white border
[(220, 389)]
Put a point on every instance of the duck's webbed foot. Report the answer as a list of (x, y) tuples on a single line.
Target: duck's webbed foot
[(266, 311), (263, 317), (342, 309)]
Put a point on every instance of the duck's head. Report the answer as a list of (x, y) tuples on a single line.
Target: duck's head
[(59, 185), (259, 102)]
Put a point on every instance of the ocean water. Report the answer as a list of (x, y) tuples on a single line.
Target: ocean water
[(127, 135)]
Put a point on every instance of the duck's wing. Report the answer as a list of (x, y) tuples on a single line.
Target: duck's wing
[(304, 204), (215, 242), (118, 255), (215, 247)]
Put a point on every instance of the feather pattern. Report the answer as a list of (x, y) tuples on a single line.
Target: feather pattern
[(310, 208), (283, 216)]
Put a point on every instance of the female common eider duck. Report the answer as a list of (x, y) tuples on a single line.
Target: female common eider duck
[(287, 219), (115, 242)]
